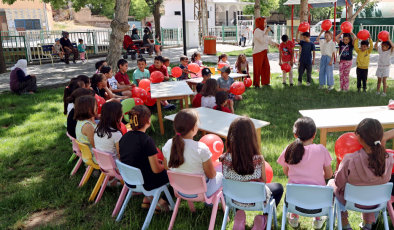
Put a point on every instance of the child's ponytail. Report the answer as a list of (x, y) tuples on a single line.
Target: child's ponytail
[(193, 57), (223, 55), (304, 129), (73, 85), (139, 116)]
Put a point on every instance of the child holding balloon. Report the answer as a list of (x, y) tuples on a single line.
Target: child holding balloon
[(383, 72), (225, 82), (286, 55), (327, 48), (243, 162), (305, 163), (141, 72), (185, 71), (346, 46), (363, 54)]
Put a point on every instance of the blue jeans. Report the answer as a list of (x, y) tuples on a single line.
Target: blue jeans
[(212, 186), (326, 71)]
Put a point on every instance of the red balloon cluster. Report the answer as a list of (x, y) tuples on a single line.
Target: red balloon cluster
[(304, 27), (100, 103), (363, 35), (150, 101), (157, 77), (237, 88), (248, 82), (326, 25), (144, 84), (346, 27), (383, 36), (138, 101), (269, 173), (215, 145), (137, 92), (194, 67), (160, 154), (176, 72), (346, 143), (285, 67), (221, 65)]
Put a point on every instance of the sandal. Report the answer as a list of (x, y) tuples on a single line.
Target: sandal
[(163, 208), (146, 205)]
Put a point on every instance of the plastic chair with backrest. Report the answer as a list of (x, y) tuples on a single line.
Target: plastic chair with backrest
[(133, 176), (309, 201), (77, 152), (194, 184), (247, 192), (46, 51), (376, 195)]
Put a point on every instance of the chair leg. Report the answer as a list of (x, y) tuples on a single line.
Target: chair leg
[(214, 212), (223, 202), (284, 214), (331, 220), (173, 217), (191, 206), (169, 197), (225, 217), (385, 221), (129, 194), (97, 187), (390, 211), (269, 221), (152, 208), (120, 200), (76, 167), (339, 221), (275, 218), (103, 186), (71, 158), (86, 176)]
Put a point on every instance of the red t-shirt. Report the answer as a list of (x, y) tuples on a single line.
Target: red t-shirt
[(197, 101), (286, 50), (163, 69), (224, 109), (122, 77)]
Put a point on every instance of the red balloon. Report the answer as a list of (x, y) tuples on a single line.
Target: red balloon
[(150, 101), (269, 173), (176, 72), (326, 25), (285, 67), (138, 101), (346, 27), (123, 128), (221, 65), (237, 88), (156, 77), (144, 84), (160, 154), (248, 82), (363, 35), (139, 93), (383, 36), (215, 145), (100, 103), (347, 143), (194, 67), (304, 27)]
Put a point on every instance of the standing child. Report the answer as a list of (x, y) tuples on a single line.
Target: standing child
[(306, 61), (58, 49), (196, 58), (122, 91), (141, 72), (185, 71), (305, 163), (99, 64), (221, 102), (286, 55), (242, 65), (363, 62), (121, 76), (243, 162), (157, 45), (371, 165), (197, 99), (327, 47), (223, 59), (346, 47), (208, 93), (225, 82), (81, 50), (383, 72)]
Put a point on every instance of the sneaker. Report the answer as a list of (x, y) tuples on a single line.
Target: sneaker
[(358, 90), (62, 60), (299, 83), (308, 84), (291, 84), (318, 222), (377, 93), (67, 62), (365, 226), (168, 107), (172, 106), (260, 222), (284, 83), (339, 90), (365, 90), (383, 95), (292, 220), (239, 220), (330, 88), (321, 87)]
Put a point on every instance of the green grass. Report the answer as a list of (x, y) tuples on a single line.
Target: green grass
[(249, 52), (34, 151)]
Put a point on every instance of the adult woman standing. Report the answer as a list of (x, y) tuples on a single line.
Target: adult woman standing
[(261, 65), (68, 48), (20, 82)]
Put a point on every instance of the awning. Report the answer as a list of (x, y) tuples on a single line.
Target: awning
[(319, 3)]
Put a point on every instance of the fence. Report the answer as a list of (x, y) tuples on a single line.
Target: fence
[(14, 48)]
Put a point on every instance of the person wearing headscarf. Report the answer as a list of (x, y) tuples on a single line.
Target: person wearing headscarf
[(134, 34), (261, 65), (68, 48), (20, 82)]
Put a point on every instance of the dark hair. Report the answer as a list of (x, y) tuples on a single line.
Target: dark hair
[(306, 34), (304, 128), (194, 55), (79, 93), (328, 32), (141, 59), (370, 131), (364, 43), (97, 77), (139, 116), (84, 108), (165, 59), (285, 38), (210, 88), (111, 113), (242, 144), (386, 43), (84, 78), (222, 56), (121, 62), (184, 122), (99, 64), (184, 58), (105, 69), (349, 36), (199, 87), (221, 97), (156, 36), (80, 40), (159, 58), (238, 63), (146, 30), (73, 85)]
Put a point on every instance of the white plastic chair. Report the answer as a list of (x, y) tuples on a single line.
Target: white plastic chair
[(367, 196), (247, 192), (133, 176), (309, 201)]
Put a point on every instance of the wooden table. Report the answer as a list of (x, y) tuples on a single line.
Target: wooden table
[(347, 119), (218, 122), (171, 90)]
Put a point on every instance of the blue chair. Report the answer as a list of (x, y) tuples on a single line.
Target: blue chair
[(47, 51), (367, 196), (133, 176), (309, 201), (247, 192)]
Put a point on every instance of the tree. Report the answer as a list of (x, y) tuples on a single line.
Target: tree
[(257, 8), (360, 4), (139, 9), (264, 6), (304, 12), (154, 6)]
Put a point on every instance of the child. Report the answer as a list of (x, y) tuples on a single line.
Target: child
[(346, 55), (138, 150), (225, 82), (146, 42), (58, 49), (243, 162), (121, 76), (196, 58), (242, 65), (157, 45), (184, 155), (85, 80), (81, 49), (383, 72), (99, 64), (363, 62), (305, 163), (286, 55), (73, 85), (206, 74), (197, 99), (166, 63), (158, 66), (122, 91), (99, 86), (306, 61), (328, 50), (208, 93), (71, 122), (185, 72), (223, 59), (371, 165), (221, 101), (141, 72)]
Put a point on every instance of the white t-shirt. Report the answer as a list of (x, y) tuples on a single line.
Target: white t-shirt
[(208, 102), (70, 106), (195, 154), (112, 82), (261, 41), (384, 57), (108, 145), (327, 48)]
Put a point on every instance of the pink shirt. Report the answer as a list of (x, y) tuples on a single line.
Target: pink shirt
[(310, 169)]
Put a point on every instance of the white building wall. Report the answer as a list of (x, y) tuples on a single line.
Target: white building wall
[(170, 20)]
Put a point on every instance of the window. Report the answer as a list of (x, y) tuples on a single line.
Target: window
[(177, 12), (28, 24)]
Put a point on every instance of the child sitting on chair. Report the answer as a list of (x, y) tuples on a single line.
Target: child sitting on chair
[(208, 93), (198, 97), (58, 49), (221, 102)]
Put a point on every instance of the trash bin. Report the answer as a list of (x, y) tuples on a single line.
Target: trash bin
[(209, 44)]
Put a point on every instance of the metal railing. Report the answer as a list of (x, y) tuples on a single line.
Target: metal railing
[(374, 30), (14, 48)]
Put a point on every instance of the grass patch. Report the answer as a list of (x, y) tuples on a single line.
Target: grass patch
[(249, 52), (34, 151)]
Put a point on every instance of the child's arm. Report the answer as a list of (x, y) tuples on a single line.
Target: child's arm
[(327, 172), (286, 170), (356, 46), (391, 43), (376, 45), (313, 60), (354, 38), (155, 165), (88, 130), (117, 149), (370, 46), (297, 36), (209, 170), (53, 49), (109, 94), (332, 58), (318, 37), (280, 57), (223, 89), (338, 36)]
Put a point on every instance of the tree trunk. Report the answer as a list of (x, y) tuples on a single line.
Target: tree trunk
[(157, 17), (304, 13), (3, 67), (119, 27), (351, 16), (257, 8)]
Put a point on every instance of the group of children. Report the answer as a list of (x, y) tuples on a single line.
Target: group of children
[(57, 48)]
